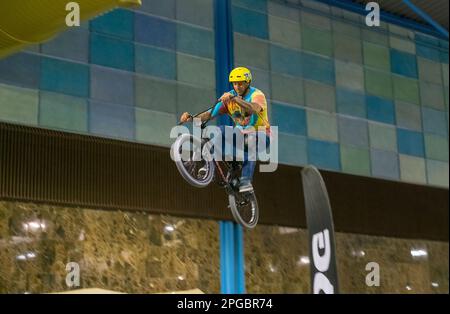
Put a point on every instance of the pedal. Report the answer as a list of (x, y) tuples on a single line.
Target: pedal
[(202, 171)]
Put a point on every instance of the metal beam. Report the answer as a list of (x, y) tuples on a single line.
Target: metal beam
[(426, 17)]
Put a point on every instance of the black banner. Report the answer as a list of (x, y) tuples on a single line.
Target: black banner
[(322, 252)]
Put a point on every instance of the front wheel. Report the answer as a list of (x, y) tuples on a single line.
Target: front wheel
[(186, 152), (244, 208)]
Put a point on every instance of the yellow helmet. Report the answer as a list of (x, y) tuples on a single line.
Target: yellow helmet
[(240, 74)]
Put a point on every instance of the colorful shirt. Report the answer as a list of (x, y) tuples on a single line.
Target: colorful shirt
[(240, 117)]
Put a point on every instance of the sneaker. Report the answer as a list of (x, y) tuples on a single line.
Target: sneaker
[(245, 186)]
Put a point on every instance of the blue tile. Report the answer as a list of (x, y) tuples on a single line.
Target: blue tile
[(351, 103), (317, 68), (292, 149), (443, 44), (426, 39), (434, 121), (379, 109), (112, 86), (71, 44), (250, 22), (444, 57), (403, 63), (353, 132), (195, 41), (112, 52), (278, 57), (289, 119), (111, 120), (119, 23), (64, 77), (425, 51), (156, 62), (410, 143), (324, 155), (260, 5), (21, 69), (154, 31), (384, 164)]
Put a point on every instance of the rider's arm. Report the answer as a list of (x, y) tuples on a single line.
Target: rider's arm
[(252, 107), (204, 116)]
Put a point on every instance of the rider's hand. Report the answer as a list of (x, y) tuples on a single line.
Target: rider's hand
[(185, 117), (226, 97)]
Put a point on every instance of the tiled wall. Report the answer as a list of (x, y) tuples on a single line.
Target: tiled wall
[(277, 261), (346, 97), (127, 74)]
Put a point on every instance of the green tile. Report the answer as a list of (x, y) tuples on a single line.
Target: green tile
[(378, 83), (402, 44), (261, 80), (382, 137), (320, 96), (199, 12), (429, 71), (347, 48), (189, 67), (446, 98), (315, 20), (412, 169), (317, 41), (376, 56), (284, 32), (287, 89), (437, 173), (445, 74), (154, 127), (346, 29), (406, 89), (322, 126), (355, 160), (251, 51), (349, 75), (155, 94), (432, 95), (436, 147), (193, 99), (316, 6), (401, 31), (375, 37), (19, 105), (63, 112), (408, 116), (280, 10)]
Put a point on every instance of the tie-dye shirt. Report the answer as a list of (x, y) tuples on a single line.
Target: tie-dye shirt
[(240, 117)]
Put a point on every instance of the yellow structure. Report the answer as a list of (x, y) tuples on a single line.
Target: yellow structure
[(27, 22)]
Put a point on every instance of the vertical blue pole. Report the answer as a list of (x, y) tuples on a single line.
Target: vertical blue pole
[(224, 284), (240, 261), (227, 258), (232, 273), (223, 32)]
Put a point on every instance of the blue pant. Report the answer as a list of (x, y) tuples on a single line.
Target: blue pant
[(248, 166)]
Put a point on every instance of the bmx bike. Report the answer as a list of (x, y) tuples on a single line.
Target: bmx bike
[(195, 162)]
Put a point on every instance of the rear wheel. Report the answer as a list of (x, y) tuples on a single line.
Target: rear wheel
[(244, 207)]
